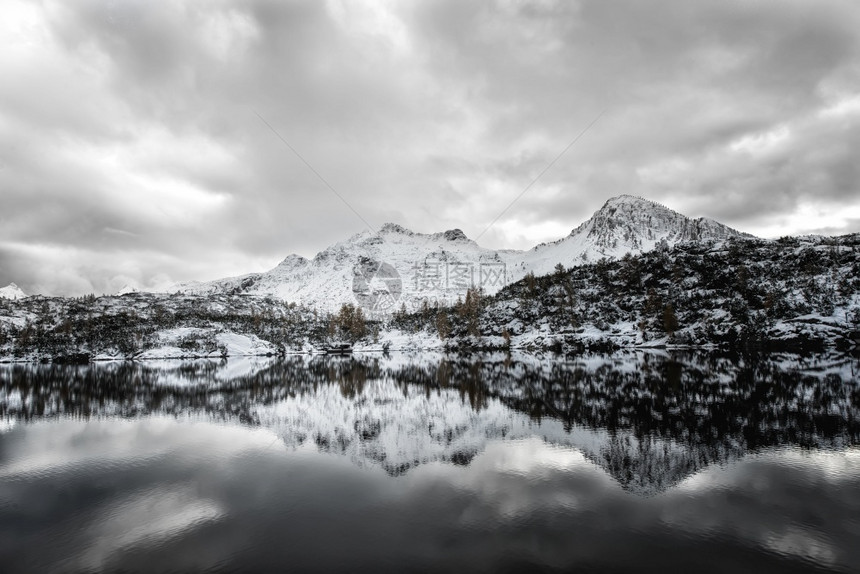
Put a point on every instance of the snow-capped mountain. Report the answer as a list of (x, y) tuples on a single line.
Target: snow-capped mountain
[(11, 291), (126, 289), (382, 270), (625, 224), (395, 266)]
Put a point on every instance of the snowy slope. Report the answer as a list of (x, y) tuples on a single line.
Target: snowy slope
[(625, 224), (418, 267), (11, 291), (439, 267)]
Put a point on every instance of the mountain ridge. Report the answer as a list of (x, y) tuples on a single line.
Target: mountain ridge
[(626, 223), (789, 294), (439, 267)]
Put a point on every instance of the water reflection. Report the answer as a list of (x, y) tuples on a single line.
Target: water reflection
[(637, 462), (649, 420)]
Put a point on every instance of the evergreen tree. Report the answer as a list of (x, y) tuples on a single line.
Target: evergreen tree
[(670, 321), (443, 325)]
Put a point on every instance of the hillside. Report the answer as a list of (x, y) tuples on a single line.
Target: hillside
[(801, 293)]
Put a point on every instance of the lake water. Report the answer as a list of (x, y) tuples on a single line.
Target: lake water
[(638, 462)]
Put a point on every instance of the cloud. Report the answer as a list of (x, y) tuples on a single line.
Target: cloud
[(144, 118)]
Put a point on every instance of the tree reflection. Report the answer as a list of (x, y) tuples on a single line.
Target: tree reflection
[(679, 412)]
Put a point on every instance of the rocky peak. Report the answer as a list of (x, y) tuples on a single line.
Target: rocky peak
[(636, 222), (455, 235), (395, 228), (292, 260)]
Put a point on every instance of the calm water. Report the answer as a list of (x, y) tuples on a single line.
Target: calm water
[(636, 462)]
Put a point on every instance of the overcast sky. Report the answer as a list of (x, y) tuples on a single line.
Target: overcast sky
[(132, 149)]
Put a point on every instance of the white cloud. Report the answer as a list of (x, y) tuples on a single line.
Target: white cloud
[(761, 142)]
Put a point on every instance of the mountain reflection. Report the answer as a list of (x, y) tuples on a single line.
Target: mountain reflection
[(648, 419)]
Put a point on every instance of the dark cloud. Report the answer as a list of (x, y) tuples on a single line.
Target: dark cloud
[(131, 147)]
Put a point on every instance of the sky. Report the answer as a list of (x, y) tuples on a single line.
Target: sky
[(146, 142)]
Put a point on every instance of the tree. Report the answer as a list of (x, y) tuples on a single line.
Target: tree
[(742, 276), (506, 335), (443, 325), (345, 316), (670, 321), (357, 325), (630, 271), (471, 310), (531, 283), (653, 303), (350, 321)]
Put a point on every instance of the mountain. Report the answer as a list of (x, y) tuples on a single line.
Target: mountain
[(790, 294), (394, 267), (11, 291), (382, 270), (625, 224)]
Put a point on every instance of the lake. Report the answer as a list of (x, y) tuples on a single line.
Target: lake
[(634, 462)]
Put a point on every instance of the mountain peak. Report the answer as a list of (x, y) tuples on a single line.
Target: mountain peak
[(630, 223), (625, 224), (632, 201), (12, 291), (292, 260), (127, 289), (395, 228), (450, 235), (455, 235)]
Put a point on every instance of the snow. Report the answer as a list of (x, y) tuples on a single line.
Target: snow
[(397, 340), (227, 343), (625, 224), (236, 344), (164, 352), (438, 267), (255, 303), (12, 291)]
